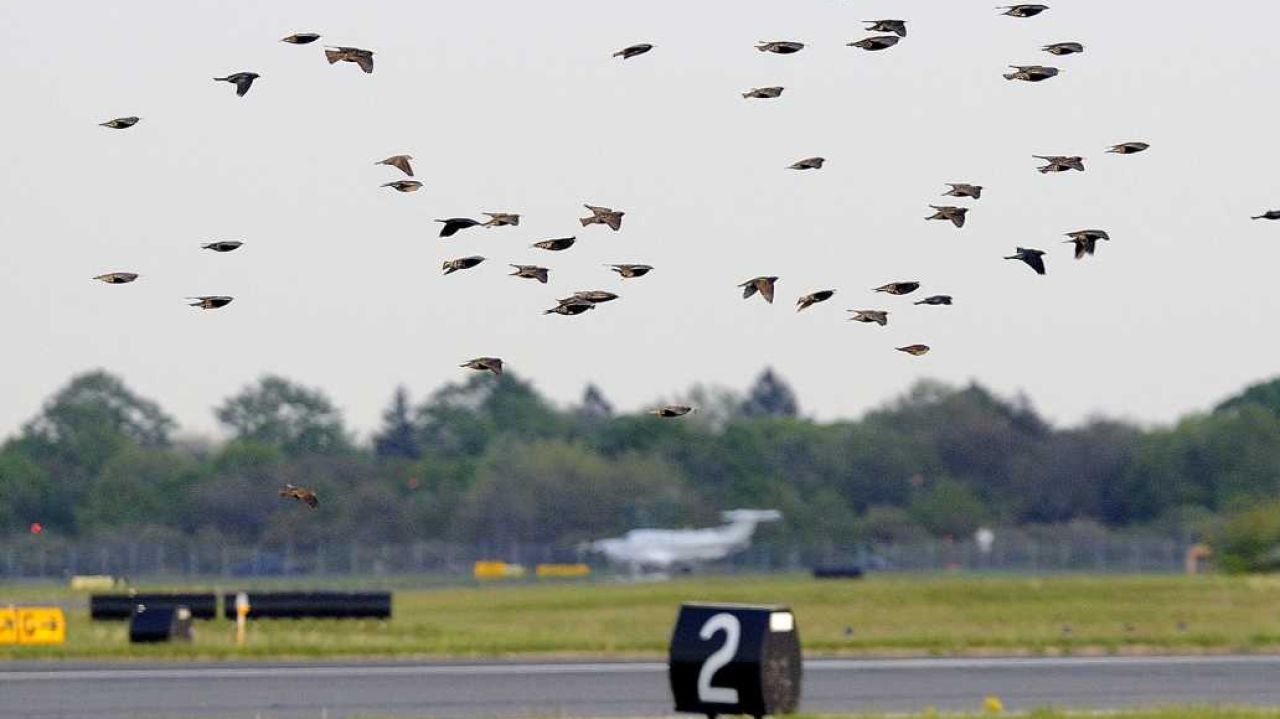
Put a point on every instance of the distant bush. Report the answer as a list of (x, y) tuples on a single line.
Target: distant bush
[(1250, 540)]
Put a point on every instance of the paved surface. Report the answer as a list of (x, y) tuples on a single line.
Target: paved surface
[(496, 689)]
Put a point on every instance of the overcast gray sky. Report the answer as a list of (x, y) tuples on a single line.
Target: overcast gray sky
[(518, 106)]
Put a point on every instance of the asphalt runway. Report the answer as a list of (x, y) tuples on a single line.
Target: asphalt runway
[(599, 689)]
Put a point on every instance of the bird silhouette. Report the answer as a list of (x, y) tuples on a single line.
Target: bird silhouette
[(117, 278), (672, 410), (400, 162), (1033, 258), (603, 216), (454, 224), (242, 80), (780, 47), (501, 219), (875, 42), (223, 245), (555, 245), (1060, 163), (1063, 48), (880, 317), (301, 38), (404, 185), (1031, 73), (210, 302), (955, 214), (763, 93), (963, 189), (1128, 148), (1025, 10), (897, 27), (462, 263), (763, 285), (630, 271), (301, 494), (627, 53), (814, 298), (120, 123), (362, 58), (898, 288), (532, 272), (484, 364), (808, 163)]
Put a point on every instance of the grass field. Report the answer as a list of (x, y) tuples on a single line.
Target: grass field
[(882, 615)]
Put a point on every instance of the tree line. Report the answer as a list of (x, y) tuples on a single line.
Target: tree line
[(490, 459)]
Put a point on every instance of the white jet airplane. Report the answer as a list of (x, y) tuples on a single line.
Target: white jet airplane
[(661, 549)]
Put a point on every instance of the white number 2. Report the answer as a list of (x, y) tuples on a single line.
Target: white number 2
[(732, 629)]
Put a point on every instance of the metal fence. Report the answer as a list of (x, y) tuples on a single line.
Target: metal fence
[(34, 560)]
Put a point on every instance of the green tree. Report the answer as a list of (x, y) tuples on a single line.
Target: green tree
[(294, 418), (549, 491), (92, 418), (398, 436), (1264, 394), (770, 396)]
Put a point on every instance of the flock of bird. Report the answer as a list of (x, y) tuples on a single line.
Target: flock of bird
[(890, 33)]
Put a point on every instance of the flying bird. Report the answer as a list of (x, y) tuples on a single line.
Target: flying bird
[(897, 27), (242, 80), (400, 162), (1128, 148), (914, 350), (501, 219), (630, 52), (485, 364), (1086, 241), (210, 302), (120, 123), (935, 300), (117, 278), (780, 47), (1063, 48), (1022, 10), (1031, 73), (763, 93), (808, 163), (603, 216), (462, 263), (222, 245), (763, 285), (672, 410), (963, 189), (361, 57), (1033, 258), (875, 42), (556, 245), (569, 307), (595, 297), (404, 185), (880, 317), (630, 271), (899, 288), (532, 272), (813, 298), (1060, 163), (301, 38), (454, 224), (955, 214), (301, 494), (1268, 215)]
